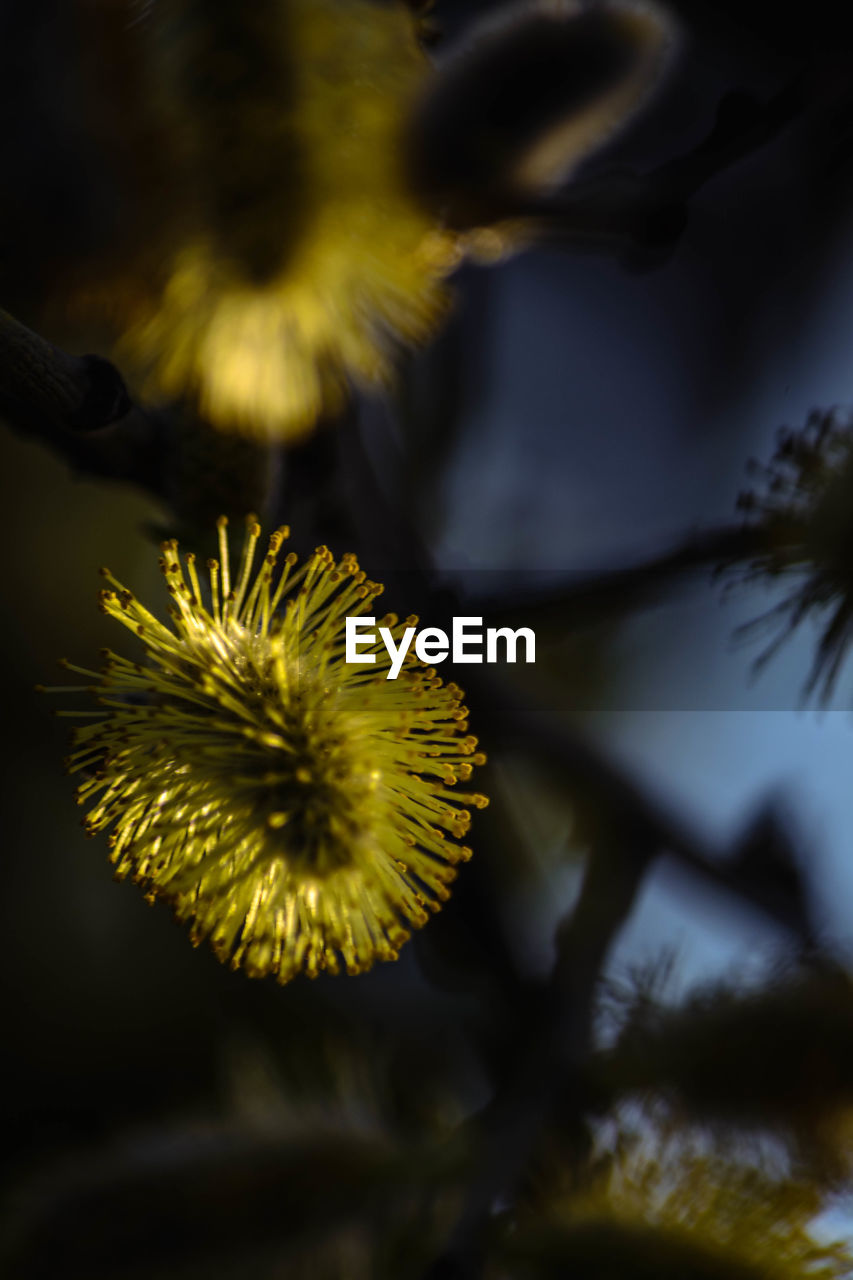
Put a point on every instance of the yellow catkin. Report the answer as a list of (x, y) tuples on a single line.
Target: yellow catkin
[(289, 260), (302, 813)]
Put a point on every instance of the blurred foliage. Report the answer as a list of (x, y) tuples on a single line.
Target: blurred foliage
[(801, 506), (667, 1208), (265, 201), (247, 235), (772, 1058)]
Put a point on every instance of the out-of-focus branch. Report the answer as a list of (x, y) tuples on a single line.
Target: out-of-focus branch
[(644, 215), (594, 783), (599, 597), (79, 407), (553, 1042), (39, 382)]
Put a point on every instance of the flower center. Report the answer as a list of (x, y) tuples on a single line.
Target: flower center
[(318, 783)]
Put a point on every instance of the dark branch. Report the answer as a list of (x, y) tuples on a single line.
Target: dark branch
[(595, 785), (42, 385), (613, 593), (644, 215), (79, 407)]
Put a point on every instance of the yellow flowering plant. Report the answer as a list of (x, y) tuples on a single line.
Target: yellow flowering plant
[(281, 221), (253, 209), (300, 811)]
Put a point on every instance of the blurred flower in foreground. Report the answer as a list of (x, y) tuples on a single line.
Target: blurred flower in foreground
[(304, 261), (299, 811), (771, 1060), (275, 193), (802, 511), (666, 1209)]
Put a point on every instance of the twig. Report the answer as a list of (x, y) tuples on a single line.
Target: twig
[(45, 384), (647, 213), (597, 785), (79, 407), (615, 592)]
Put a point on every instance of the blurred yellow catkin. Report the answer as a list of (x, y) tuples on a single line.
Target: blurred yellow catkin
[(262, 243), (269, 252), (669, 1207)]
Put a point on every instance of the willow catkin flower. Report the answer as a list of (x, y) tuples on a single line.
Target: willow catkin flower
[(263, 253), (299, 811), (306, 263), (665, 1206), (263, 207), (771, 1060), (800, 514)]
